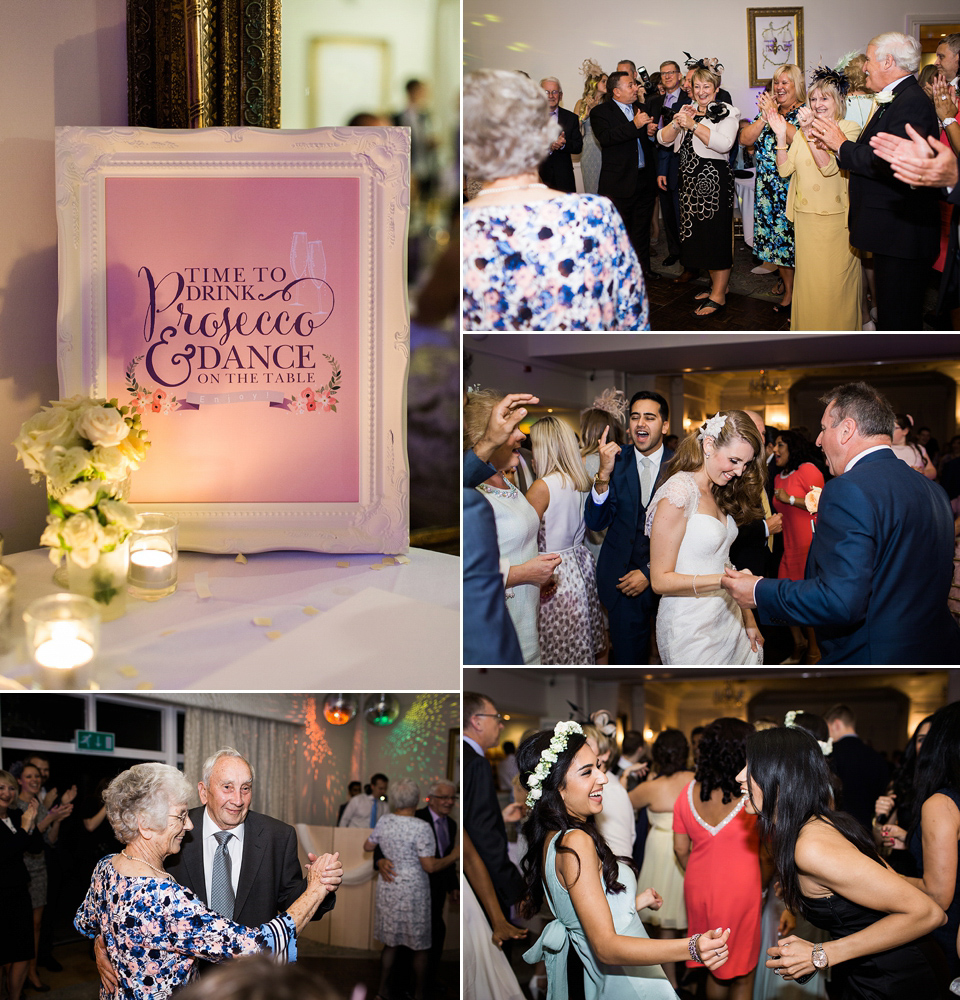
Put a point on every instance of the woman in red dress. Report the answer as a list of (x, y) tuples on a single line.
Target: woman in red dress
[(797, 474), (716, 842)]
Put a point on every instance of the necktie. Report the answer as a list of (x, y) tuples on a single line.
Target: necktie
[(221, 885), (373, 812), (767, 512), (442, 843), (646, 480)]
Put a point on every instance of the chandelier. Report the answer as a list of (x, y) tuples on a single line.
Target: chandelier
[(763, 385), (728, 696)]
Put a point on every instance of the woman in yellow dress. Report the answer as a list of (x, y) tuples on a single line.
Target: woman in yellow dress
[(827, 289)]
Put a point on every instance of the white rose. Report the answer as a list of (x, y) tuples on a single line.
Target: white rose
[(84, 537), (81, 495), (121, 514), (102, 425), (51, 533), (64, 465), (110, 462), (42, 431)]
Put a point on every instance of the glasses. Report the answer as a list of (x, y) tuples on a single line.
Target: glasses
[(181, 818), (444, 798), (553, 93), (489, 715)]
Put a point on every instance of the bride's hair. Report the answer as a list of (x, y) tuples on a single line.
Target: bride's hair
[(789, 768), (549, 814), (741, 496)]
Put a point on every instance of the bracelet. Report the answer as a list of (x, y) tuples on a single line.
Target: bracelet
[(695, 575), (597, 481), (784, 148), (692, 945)]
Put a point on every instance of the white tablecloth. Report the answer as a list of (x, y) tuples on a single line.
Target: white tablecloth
[(395, 628), (744, 187)]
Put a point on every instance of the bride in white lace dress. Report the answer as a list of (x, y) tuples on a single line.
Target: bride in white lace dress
[(714, 483)]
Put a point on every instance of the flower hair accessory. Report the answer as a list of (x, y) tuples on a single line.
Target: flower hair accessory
[(590, 68), (561, 734), (712, 427), (605, 725), (614, 402), (789, 722)]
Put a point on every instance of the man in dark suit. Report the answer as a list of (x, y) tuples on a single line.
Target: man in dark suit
[(263, 871), (884, 542), (898, 223), (481, 814), (863, 773), (628, 167), (618, 501), (440, 800), (556, 171), (662, 110)]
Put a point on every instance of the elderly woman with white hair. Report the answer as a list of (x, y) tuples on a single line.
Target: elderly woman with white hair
[(535, 258), (155, 929), (403, 904)]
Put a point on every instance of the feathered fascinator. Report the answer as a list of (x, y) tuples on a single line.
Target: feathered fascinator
[(614, 402), (823, 74), (713, 64), (589, 68)]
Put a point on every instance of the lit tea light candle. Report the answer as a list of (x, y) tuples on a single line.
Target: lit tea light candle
[(153, 558), (63, 635)]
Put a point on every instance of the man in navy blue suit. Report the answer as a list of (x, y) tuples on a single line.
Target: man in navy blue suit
[(879, 568), (618, 502)]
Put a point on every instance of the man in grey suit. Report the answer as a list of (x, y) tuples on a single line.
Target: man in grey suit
[(263, 870)]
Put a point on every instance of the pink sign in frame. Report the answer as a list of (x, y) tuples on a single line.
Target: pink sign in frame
[(244, 290)]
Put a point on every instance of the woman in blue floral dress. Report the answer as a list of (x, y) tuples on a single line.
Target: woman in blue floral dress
[(534, 258), (154, 929), (772, 232)]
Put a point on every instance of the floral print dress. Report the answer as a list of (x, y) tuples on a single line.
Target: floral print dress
[(561, 264), (155, 930), (772, 230)]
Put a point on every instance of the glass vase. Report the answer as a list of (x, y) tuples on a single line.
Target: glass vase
[(105, 581)]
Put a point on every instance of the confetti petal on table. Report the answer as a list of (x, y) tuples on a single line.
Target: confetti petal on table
[(145, 686), (403, 559), (376, 566), (173, 631), (262, 621), (310, 610), (342, 564), (273, 635), (241, 558), (389, 561), (202, 582), (128, 671)]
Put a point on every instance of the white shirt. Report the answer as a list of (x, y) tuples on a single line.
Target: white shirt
[(357, 813), (654, 457), (210, 845)]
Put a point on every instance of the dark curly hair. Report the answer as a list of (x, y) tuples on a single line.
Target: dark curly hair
[(549, 814), (905, 778), (670, 752), (788, 767), (938, 764), (799, 450), (720, 757)]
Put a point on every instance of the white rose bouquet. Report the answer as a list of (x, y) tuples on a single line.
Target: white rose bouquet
[(85, 449)]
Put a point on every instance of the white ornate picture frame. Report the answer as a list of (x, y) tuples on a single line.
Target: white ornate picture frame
[(246, 289)]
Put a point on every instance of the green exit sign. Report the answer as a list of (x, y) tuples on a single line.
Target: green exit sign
[(88, 740)]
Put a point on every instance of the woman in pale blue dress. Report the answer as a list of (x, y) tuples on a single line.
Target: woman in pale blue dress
[(592, 893)]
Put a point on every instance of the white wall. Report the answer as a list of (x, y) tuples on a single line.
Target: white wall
[(554, 38), (62, 62)]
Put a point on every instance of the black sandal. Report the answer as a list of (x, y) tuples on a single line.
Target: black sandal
[(713, 307)]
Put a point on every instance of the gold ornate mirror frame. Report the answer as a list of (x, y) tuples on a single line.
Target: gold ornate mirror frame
[(200, 63)]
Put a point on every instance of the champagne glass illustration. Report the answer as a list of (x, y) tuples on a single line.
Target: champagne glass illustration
[(298, 261), (317, 270)]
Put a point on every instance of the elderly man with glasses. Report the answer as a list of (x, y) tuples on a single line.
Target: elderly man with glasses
[(556, 171)]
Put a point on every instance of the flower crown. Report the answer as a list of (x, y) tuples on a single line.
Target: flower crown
[(712, 427), (790, 723), (562, 732), (823, 74)]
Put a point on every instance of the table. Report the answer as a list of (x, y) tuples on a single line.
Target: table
[(322, 625)]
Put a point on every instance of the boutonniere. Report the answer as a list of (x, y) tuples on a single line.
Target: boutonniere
[(886, 97)]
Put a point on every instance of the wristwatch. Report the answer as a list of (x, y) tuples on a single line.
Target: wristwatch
[(948, 121), (819, 957)]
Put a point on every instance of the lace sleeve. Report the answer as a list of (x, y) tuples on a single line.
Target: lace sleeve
[(681, 491)]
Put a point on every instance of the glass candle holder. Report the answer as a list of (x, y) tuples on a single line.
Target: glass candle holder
[(63, 636), (153, 558)]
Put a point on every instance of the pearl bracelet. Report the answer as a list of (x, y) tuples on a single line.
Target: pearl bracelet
[(692, 945)]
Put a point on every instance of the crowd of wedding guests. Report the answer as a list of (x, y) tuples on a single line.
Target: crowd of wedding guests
[(590, 547), (856, 202), (852, 890)]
